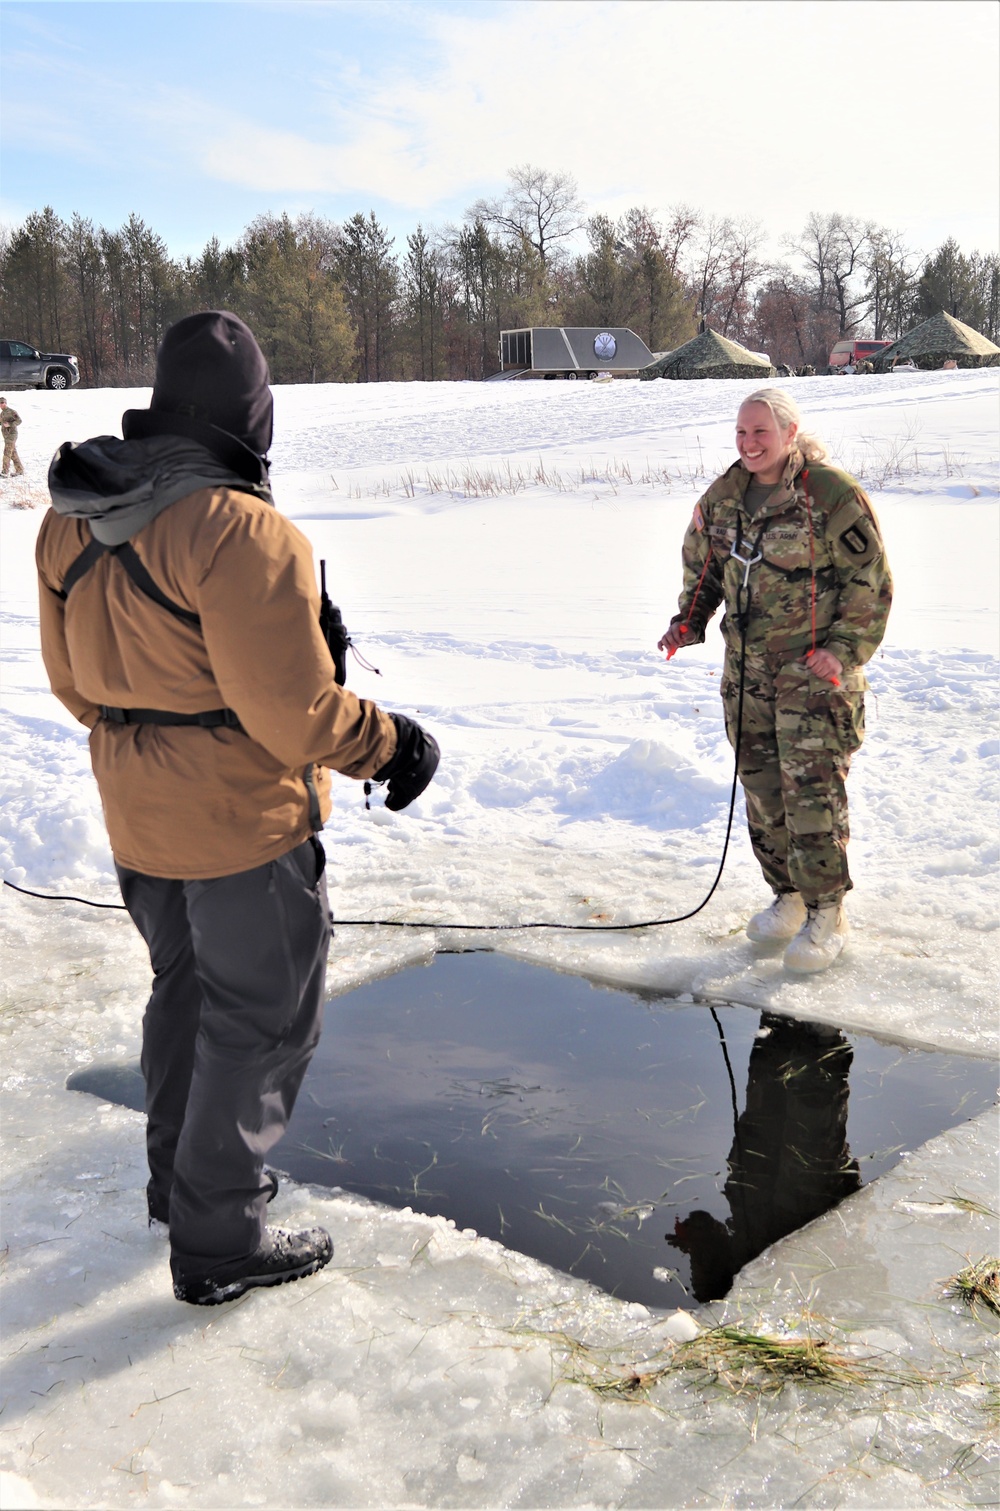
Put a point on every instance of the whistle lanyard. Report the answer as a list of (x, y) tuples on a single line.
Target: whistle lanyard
[(750, 559)]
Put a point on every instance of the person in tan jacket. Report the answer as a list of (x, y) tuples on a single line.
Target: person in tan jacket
[(180, 624)]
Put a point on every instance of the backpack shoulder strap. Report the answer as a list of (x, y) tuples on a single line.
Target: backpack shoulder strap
[(83, 563), (132, 563)]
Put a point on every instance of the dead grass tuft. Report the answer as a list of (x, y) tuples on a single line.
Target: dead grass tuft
[(968, 1204), (742, 1361), (736, 1358), (508, 479), (20, 495), (977, 1285)]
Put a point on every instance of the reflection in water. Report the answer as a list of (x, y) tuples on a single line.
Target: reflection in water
[(789, 1161), (564, 1119)]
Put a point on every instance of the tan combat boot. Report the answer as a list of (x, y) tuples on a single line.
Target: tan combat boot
[(819, 941), (780, 922)]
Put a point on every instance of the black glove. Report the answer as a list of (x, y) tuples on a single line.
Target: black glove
[(413, 765)]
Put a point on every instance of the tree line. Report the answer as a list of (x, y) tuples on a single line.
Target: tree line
[(332, 301)]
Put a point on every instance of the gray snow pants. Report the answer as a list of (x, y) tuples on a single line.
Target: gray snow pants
[(239, 970)]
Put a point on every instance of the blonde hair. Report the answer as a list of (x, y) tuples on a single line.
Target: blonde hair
[(786, 412)]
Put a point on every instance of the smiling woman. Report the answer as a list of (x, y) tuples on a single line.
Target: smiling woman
[(791, 545)]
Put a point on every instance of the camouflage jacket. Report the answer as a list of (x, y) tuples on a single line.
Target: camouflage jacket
[(817, 524), (9, 420)]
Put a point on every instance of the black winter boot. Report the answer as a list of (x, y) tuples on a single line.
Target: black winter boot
[(282, 1256)]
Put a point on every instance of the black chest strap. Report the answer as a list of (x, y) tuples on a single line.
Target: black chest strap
[(212, 718)]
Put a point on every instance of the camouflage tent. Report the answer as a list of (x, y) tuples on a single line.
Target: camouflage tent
[(709, 356), (939, 339)]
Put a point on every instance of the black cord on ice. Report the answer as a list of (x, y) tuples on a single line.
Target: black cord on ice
[(401, 923), (583, 928), (729, 1069), (511, 928), (49, 897)]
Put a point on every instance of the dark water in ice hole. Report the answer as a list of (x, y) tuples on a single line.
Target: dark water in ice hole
[(648, 1146)]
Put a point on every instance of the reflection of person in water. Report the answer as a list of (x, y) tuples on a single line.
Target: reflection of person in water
[(789, 1161)]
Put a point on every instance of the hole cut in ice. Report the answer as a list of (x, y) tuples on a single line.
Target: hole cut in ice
[(649, 1146)]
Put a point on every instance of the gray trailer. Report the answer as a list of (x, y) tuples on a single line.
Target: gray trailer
[(570, 351)]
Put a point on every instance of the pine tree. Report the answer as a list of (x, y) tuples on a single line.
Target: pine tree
[(370, 279)]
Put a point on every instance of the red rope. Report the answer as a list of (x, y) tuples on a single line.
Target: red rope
[(812, 559), (683, 626), (701, 579)]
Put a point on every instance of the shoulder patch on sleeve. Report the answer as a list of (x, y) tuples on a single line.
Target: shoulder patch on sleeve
[(852, 533), (697, 518), (855, 540)]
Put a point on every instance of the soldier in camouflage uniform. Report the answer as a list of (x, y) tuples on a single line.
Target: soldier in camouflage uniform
[(803, 538), (9, 422)]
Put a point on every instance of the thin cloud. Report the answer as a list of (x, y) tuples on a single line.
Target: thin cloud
[(654, 102), (421, 109)]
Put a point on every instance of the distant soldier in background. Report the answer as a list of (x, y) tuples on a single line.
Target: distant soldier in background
[(791, 546), (9, 422)]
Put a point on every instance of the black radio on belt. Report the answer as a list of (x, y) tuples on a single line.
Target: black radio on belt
[(331, 622)]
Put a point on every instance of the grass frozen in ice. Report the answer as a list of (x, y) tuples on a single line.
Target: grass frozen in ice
[(739, 1358), (967, 1204), (978, 1285)]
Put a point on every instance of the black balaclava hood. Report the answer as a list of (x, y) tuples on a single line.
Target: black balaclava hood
[(210, 369)]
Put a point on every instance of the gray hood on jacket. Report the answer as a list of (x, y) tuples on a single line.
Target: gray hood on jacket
[(119, 486)]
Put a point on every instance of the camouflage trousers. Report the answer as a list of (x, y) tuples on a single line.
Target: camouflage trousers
[(798, 736), (10, 455)]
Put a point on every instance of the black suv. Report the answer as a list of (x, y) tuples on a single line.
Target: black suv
[(23, 366)]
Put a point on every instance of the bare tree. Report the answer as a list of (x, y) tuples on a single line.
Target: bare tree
[(742, 269), (890, 281), (539, 207), (832, 246), (785, 320), (681, 224), (724, 268), (661, 307)]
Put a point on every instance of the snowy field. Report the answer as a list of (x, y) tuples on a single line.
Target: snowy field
[(508, 555)]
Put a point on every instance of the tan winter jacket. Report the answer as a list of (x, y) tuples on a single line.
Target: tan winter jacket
[(187, 802)]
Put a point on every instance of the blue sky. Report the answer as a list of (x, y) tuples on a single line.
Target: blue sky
[(201, 115)]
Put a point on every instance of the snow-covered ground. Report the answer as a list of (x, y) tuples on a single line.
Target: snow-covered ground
[(508, 555)]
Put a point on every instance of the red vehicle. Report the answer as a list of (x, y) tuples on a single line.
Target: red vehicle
[(855, 351)]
